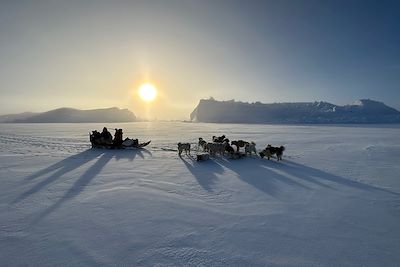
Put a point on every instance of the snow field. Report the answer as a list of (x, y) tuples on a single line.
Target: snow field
[(333, 201)]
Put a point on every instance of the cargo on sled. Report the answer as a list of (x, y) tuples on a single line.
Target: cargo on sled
[(105, 140)]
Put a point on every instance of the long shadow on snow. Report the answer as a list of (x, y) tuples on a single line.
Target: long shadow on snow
[(68, 164), (71, 163), (264, 174), (254, 172), (60, 168), (312, 174), (204, 172), (79, 185), (88, 176)]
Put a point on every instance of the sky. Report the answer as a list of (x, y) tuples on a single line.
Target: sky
[(94, 54)]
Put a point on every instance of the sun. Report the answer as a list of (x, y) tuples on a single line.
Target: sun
[(147, 92)]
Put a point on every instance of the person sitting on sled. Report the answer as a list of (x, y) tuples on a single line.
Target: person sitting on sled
[(106, 137), (118, 137)]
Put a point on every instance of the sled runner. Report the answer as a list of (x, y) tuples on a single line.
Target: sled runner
[(111, 146), (141, 145)]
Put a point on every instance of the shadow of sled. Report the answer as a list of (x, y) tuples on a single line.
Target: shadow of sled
[(57, 170), (84, 180)]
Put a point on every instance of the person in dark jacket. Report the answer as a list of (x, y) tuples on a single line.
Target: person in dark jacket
[(118, 137), (106, 137)]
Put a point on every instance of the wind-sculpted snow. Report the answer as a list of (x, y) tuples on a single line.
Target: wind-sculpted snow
[(334, 200)]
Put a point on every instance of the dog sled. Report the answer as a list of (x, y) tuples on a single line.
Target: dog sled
[(112, 146), (98, 142)]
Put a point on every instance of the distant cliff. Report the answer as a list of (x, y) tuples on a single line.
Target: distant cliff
[(70, 115), (14, 117), (361, 111)]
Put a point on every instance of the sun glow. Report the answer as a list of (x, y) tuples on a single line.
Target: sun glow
[(147, 92)]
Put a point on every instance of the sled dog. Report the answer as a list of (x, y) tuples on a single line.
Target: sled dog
[(202, 143), (238, 144), (269, 151), (215, 148), (219, 139), (183, 147), (250, 147)]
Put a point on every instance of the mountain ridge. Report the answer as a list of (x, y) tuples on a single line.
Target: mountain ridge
[(72, 115)]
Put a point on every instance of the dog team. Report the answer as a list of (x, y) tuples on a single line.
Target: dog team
[(222, 146)]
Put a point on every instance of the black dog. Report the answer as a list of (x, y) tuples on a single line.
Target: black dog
[(218, 139), (228, 147), (269, 151), (238, 144)]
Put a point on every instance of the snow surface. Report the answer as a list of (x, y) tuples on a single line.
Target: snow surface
[(333, 201)]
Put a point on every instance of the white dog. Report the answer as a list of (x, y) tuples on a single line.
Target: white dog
[(183, 147), (250, 147), (202, 143)]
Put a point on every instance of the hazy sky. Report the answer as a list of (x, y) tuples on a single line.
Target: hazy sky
[(92, 54)]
